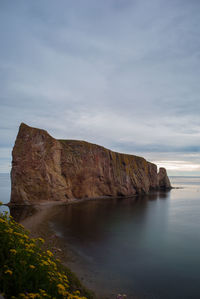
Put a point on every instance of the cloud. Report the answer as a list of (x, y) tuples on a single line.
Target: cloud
[(124, 74)]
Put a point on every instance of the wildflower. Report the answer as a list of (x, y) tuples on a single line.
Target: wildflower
[(61, 289), (18, 234), (41, 240), (43, 293), (45, 263), (30, 251), (52, 263), (10, 230), (25, 236), (8, 272), (2, 220), (65, 277), (31, 266), (32, 295), (49, 253), (20, 225), (13, 251)]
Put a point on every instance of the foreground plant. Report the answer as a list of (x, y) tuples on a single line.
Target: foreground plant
[(27, 271)]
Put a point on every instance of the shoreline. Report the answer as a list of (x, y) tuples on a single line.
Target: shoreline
[(79, 200), (38, 225), (68, 202), (37, 217)]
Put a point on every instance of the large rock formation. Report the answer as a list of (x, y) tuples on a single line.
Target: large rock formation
[(46, 169)]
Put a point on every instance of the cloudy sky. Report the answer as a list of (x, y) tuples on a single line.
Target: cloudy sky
[(124, 74)]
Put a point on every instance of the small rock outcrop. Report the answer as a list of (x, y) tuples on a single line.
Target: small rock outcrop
[(47, 169), (163, 180)]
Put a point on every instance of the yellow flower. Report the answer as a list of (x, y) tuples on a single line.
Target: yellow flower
[(18, 234), (32, 266), (20, 225), (61, 289), (29, 295), (32, 295), (45, 263), (49, 253), (8, 272), (65, 277), (13, 251), (2, 220), (10, 230), (52, 263), (43, 293), (30, 251), (41, 240)]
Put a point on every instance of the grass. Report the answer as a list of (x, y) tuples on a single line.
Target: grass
[(27, 270)]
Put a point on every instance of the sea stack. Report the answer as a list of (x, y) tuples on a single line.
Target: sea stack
[(47, 169)]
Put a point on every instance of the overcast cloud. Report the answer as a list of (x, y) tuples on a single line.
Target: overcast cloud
[(120, 73)]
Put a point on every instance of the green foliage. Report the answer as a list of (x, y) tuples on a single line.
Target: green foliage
[(27, 271)]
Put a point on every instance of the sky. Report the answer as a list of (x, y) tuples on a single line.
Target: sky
[(124, 74)]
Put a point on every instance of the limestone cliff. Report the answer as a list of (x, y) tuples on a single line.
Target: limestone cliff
[(44, 168)]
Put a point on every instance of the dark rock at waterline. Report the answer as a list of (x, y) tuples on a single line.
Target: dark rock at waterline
[(163, 180)]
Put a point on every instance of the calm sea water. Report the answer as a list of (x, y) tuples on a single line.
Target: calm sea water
[(145, 247), (4, 190)]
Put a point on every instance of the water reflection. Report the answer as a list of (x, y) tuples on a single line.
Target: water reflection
[(139, 245), (92, 220), (4, 191), (19, 213), (163, 194)]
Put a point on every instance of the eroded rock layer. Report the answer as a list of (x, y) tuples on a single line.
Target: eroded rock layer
[(46, 169)]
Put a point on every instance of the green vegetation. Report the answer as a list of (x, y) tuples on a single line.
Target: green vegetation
[(27, 271)]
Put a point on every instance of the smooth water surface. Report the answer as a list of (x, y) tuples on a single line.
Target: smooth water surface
[(146, 247), (4, 190)]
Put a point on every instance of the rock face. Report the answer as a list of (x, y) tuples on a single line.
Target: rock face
[(46, 169), (163, 180)]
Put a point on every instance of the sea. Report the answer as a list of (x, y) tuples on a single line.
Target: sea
[(146, 247)]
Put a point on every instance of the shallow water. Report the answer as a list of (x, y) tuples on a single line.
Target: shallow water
[(145, 247)]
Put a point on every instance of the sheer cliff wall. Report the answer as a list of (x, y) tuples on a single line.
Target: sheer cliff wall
[(46, 169)]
